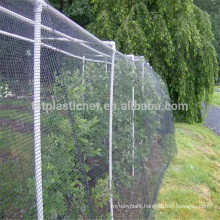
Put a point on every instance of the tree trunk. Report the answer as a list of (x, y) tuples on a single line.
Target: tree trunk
[(62, 5)]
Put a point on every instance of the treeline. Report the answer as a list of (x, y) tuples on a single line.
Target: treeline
[(174, 36)]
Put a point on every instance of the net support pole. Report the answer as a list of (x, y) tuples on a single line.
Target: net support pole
[(133, 128), (36, 108), (83, 70), (143, 76), (106, 66), (110, 126), (133, 125)]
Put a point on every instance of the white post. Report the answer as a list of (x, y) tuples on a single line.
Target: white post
[(143, 76), (37, 124), (83, 70), (110, 127), (106, 66), (133, 130), (133, 125)]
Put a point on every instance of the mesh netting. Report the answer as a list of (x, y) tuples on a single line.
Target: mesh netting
[(65, 151)]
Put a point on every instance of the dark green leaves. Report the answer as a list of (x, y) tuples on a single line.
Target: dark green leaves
[(175, 36)]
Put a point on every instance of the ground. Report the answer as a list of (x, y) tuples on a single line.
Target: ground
[(216, 97), (193, 176)]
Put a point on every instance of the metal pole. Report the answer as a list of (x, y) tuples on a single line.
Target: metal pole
[(37, 124), (133, 127), (143, 76), (46, 28), (106, 66), (110, 128), (133, 123), (83, 70), (49, 47), (83, 76)]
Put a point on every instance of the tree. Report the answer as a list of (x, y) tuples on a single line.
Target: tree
[(174, 36), (79, 11), (213, 8)]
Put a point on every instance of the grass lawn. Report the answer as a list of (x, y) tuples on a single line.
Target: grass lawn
[(193, 176), (17, 115), (216, 98)]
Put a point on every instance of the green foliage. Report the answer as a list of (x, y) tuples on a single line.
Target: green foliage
[(64, 189), (61, 167), (101, 193), (174, 36), (213, 8), (64, 192), (79, 11)]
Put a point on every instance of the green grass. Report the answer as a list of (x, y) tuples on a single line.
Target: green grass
[(216, 98), (17, 102), (193, 176), (16, 167), (16, 115)]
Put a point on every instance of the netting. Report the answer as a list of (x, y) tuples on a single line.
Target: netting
[(77, 137)]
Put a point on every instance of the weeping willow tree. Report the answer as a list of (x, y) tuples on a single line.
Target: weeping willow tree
[(213, 9), (174, 36)]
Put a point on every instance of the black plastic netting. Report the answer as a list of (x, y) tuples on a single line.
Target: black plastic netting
[(75, 158)]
